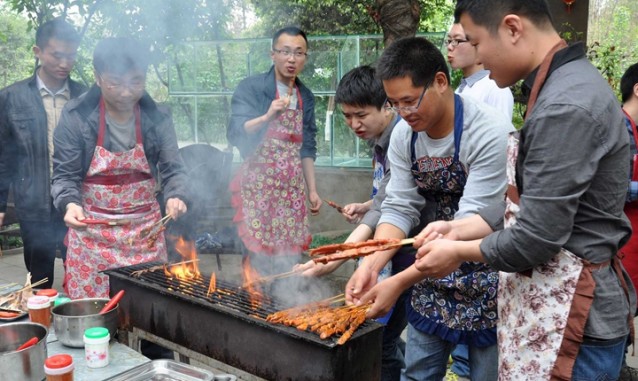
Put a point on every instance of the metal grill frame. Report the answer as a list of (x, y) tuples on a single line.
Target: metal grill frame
[(248, 343)]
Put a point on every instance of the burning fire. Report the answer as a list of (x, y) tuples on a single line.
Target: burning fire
[(185, 271), (250, 275), (212, 285)]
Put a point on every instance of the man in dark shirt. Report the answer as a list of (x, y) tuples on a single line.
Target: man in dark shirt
[(564, 212), (29, 112)]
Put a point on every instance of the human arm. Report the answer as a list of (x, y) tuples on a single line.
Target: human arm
[(308, 165), (385, 294), (68, 167), (171, 167), (569, 166)]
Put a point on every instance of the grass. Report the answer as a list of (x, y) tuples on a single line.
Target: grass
[(320, 240)]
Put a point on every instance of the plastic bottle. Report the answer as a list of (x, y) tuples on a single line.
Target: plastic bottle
[(51, 293), (59, 368), (96, 347), (39, 310)]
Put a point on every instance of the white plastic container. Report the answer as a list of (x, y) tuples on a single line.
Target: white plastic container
[(96, 347)]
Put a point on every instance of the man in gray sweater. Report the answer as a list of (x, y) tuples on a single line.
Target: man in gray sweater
[(447, 156)]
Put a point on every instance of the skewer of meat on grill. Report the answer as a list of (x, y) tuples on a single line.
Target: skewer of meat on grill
[(335, 252), (324, 320)]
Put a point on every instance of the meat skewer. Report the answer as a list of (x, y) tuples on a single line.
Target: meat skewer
[(334, 252), (336, 247), (334, 205)]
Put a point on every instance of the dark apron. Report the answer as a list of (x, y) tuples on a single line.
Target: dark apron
[(461, 307)]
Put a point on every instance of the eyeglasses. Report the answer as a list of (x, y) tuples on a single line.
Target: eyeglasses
[(454, 42), (136, 85), (288, 53), (407, 109)]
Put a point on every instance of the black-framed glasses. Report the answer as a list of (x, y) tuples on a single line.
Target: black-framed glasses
[(288, 53), (454, 42), (407, 109), (135, 85)]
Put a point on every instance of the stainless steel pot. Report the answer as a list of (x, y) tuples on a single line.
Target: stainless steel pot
[(27, 364), (71, 319)]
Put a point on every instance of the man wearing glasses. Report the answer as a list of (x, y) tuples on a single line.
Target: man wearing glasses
[(29, 112), (450, 155), (273, 126), (110, 146), (476, 83)]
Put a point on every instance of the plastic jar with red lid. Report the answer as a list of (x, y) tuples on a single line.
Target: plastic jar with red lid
[(59, 368)]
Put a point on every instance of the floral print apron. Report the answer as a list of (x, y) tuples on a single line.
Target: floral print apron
[(268, 192), (118, 185), (542, 311), (460, 307)]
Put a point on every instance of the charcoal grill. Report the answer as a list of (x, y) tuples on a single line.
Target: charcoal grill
[(227, 327)]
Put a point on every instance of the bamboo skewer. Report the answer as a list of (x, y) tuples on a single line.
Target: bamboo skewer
[(270, 278), (41, 281)]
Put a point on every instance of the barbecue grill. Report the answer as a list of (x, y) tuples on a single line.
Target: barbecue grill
[(229, 326)]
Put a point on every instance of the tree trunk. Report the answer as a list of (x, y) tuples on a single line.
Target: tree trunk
[(398, 18)]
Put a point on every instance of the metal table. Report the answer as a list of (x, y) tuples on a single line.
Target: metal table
[(122, 358)]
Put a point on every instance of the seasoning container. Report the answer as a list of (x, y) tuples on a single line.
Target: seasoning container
[(39, 310), (96, 347), (59, 368), (50, 293)]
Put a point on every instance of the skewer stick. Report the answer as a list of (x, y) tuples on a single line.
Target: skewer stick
[(41, 281), (8, 285), (271, 278)]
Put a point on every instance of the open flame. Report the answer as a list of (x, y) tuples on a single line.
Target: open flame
[(250, 275), (185, 271), (212, 285)]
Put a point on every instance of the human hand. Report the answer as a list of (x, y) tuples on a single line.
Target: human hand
[(315, 202), (312, 269), (434, 230), (175, 207), (361, 281), (383, 297), (277, 106), (74, 216), (354, 212), (1, 219), (438, 258)]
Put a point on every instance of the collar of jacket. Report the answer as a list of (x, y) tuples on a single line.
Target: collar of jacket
[(91, 99), (75, 88)]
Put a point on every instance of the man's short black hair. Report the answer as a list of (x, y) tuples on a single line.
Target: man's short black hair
[(361, 87), (490, 13), (628, 81), (119, 55), (56, 28), (290, 30), (414, 57)]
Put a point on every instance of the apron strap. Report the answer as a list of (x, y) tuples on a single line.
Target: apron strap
[(541, 76), (102, 128)]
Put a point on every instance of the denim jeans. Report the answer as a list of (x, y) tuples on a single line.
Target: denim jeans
[(426, 358), (393, 349), (461, 361), (599, 360)]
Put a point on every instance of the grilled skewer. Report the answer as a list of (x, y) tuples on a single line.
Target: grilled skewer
[(334, 205), (361, 250)]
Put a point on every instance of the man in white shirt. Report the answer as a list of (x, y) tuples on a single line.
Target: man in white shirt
[(476, 80)]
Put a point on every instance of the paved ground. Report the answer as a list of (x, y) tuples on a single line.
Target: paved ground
[(12, 270)]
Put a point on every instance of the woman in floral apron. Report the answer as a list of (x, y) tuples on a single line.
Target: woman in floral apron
[(105, 139)]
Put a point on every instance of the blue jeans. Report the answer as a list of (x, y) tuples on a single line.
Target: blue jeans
[(393, 350), (461, 361), (426, 358), (599, 360)]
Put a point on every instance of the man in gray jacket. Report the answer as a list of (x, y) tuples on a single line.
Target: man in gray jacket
[(29, 112)]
